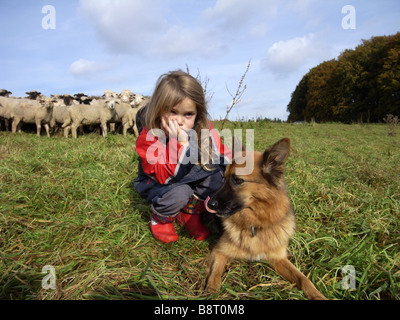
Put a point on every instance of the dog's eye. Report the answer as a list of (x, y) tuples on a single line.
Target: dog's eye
[(236, 180)]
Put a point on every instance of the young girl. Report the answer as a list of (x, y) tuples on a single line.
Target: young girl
[(176, 169)]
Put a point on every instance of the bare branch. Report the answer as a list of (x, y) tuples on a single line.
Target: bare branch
[(238, 95), (204, 83)]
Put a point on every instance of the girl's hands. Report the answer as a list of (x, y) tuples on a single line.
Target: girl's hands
[(172, 129)]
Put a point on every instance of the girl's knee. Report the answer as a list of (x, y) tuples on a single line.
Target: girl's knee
[(173, 201)]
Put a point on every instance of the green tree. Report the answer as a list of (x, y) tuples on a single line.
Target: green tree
[(389, 80), (298, 102), (320, 93), (360, 85)]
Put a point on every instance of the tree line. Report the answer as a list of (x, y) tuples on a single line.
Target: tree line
[(361, 85)]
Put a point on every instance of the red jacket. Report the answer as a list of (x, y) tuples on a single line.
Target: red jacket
[(164, 162)]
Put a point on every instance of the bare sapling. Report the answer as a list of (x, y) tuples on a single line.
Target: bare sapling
[(237, 97)]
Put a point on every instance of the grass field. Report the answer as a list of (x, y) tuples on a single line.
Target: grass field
[(70, 204)]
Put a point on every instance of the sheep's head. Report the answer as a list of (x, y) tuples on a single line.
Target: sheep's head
[(34, 95), (125, 98), (48, 103), (137, 101), (68, 99), (85, 100), (5, 93), (111, 104)]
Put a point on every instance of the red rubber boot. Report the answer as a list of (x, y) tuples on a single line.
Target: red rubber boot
[(190, 218), (163, 228)]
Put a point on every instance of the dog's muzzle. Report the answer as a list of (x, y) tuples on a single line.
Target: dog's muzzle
[(212, 204)]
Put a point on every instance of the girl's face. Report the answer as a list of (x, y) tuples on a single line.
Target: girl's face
[(184, 114)]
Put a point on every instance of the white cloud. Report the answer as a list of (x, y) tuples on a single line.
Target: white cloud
[(83, 68), (285, 57), (180, 40), (125, 26), (141, 28), (151, 28), (236, 13), (236, 20)]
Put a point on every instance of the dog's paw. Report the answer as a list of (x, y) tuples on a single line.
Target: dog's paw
[(318, 296), (211, 287)]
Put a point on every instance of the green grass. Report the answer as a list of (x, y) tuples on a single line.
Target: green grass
[(70, 204)]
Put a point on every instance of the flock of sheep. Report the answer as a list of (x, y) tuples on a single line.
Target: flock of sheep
[(71, 112)]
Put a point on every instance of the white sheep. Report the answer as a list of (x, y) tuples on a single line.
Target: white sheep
[(100, 112), (126, 113), (132, 115), (121, 116), (127, 96), (5, 111), (60, 110), (108, 94), (139, 101), (31, 111), (132, 121)]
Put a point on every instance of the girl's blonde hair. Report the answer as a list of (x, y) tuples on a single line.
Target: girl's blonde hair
[(171, 89)]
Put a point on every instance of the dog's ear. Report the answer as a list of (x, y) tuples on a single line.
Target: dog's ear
[(274, 160)]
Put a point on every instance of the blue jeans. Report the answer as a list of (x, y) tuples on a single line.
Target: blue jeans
[(171, 202)]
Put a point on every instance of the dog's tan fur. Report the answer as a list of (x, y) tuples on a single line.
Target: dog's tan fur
[(262, 228)]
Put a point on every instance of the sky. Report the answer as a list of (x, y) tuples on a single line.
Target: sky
[(92, 45)]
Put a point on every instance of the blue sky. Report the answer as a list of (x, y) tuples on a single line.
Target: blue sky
[(117, 44)]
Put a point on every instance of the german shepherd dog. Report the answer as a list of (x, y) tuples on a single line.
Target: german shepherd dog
[(257, 218)]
